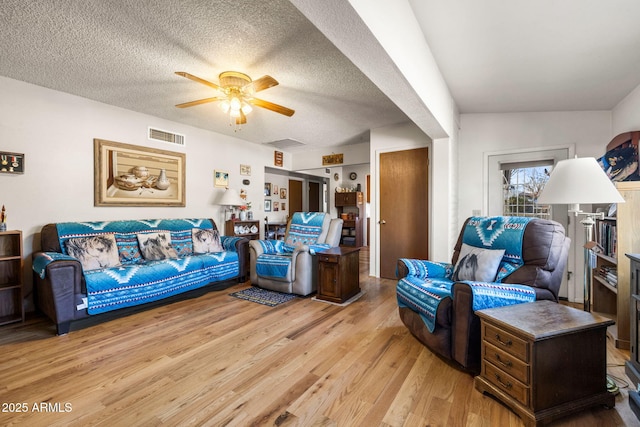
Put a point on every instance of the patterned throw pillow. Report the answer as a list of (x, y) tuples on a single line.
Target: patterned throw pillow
[(128, 248), (477, 264), (182, 242), (206, 240), (156, 246), (94, 252)]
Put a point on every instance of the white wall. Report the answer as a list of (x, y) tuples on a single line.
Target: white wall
[(55, 131), (626, 115), (480, 134)]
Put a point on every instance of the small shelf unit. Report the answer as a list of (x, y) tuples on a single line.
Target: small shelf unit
[(11, 265)]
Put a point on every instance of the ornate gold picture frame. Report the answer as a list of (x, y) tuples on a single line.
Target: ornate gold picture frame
[(130, 175)]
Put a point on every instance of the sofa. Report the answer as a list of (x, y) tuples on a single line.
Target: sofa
[(288, 265), (496, 261), (86, 269)]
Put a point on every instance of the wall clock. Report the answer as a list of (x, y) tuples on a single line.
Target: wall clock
[(353, 176)]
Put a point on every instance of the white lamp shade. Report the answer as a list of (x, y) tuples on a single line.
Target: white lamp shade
[(231, 198), (577, 181)]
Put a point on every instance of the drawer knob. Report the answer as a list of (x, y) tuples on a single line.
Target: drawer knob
[(506, 343), (502, 383), (506, 364)]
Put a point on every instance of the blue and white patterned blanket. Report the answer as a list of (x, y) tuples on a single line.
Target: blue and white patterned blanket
[(118, 287), (136, 282), (305, 229), (422, 292), (498, 232)]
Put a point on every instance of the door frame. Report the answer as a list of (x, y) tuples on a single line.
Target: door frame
[(374, 244)]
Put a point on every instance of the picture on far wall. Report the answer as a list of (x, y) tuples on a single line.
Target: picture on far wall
[(11, 162), (267, 205), (283, 206), (276, 206), (220, 179), (245, 170), (130, 175), (283, 193), (267, 188), (274, 189)]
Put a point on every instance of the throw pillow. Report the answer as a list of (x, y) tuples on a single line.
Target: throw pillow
[(94, 252), (128, 249), (156, 246), (206, 240), (477, 264)]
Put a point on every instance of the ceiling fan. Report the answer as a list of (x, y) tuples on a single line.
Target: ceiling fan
[(237, 94)]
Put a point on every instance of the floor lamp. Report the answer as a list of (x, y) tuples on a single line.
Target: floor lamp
[(580, 181)]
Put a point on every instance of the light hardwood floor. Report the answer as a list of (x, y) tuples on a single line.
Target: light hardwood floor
[(216, 360)]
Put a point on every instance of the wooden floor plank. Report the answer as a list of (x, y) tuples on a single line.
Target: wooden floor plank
[(217, 360)]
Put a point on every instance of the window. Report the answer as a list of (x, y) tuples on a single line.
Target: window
[(522, 183)]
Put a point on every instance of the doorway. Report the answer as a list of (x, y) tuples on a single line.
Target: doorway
[(315, 195), (403, 221), (295, 196)]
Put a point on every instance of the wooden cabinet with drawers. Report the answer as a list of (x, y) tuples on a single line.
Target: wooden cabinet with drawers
[(544, 360), (338, 274)]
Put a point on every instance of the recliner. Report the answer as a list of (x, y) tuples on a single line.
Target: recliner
[(448, 324), (288, 265)]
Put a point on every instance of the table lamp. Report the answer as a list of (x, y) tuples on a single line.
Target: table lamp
[(580, 181), (230, 198)]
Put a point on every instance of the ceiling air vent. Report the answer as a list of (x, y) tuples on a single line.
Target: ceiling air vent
[(166, 136), (283, 144)]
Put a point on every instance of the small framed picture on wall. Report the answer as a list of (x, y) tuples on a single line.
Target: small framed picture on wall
[(276, 206), (220, 178), (267, 205)]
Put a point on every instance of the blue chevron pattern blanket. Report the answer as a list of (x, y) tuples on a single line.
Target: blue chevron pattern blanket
[(136, 281), (498, 232), (112, 288), (305, 229), (428, 283)]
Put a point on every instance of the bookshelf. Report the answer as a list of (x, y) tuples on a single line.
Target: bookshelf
[(616, 236)]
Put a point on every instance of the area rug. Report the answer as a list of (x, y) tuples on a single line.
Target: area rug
[(263, 296)]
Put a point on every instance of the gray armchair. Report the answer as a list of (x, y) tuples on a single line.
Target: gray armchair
[(287, 265)]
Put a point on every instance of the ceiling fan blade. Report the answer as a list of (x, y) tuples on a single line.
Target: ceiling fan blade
[(242, 119), (199, 101), (199, 80), (264, 82), (271, 106)]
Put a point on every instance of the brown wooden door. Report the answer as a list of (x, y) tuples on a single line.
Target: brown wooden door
[(314, 197), (403, 221), (295, 197)]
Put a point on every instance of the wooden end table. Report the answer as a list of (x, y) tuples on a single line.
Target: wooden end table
[(544, 360), (338, 274)]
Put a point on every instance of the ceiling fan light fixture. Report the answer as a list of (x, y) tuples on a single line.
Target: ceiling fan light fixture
[(237, 95), (235, 103)]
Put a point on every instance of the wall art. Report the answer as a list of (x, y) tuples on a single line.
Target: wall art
[(220, 179), (131, 175), (11, 162)]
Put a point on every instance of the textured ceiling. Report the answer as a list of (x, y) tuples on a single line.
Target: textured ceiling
[(495, 55), (125, 53)]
